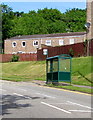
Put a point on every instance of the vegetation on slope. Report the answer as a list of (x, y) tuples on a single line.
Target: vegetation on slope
[(36, 70)]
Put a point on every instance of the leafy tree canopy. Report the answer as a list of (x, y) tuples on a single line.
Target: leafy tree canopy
[(44, 21)]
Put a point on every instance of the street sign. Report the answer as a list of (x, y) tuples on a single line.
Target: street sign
[(45, 51)]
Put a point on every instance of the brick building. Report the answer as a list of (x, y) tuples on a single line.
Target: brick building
[(30, 43)]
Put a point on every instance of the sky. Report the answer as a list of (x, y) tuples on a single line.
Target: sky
[(61, 6)]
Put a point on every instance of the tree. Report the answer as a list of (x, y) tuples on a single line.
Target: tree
[(50, 14), (75, 19), (7, 16), (57, 27), (18, 14), (28, 25), (41, 22)]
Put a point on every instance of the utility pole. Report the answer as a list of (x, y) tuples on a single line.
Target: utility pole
[(89, 23)]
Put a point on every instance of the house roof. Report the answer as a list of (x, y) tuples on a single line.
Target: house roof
[(48, 35)]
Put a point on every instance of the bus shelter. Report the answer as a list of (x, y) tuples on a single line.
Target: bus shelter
[(58, 68)]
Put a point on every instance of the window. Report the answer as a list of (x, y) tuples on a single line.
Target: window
[(71, 41), (61, 42), (48, 42), (35, 43), (14, 44), (23, 43), (14, 52), (19, 52)]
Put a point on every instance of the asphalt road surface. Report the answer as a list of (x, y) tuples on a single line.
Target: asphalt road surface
[(28, 100)]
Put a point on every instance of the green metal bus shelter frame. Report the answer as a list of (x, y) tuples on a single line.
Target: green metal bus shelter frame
[(58, 68)]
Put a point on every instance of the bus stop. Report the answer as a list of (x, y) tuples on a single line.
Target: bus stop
[(58, 68)]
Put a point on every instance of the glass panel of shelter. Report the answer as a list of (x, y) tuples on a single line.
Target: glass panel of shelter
[(55, 65), (52, 65), (48, 65), (64, 65)]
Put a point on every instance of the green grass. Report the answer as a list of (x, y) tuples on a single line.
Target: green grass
[(23, 71), (82, 71), (36, 70), (73, 88), (82, 65)]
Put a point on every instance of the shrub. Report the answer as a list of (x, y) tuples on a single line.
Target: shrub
[(15, 58), (79, 55), (71, 52)]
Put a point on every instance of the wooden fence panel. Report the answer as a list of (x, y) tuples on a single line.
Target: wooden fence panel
[(78, 49)]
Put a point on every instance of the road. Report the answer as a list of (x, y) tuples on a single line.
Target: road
[(28, 100)]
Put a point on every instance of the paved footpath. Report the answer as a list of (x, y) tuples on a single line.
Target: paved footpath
[(44, 83)]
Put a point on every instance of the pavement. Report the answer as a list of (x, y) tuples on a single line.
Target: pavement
[(43, 83)]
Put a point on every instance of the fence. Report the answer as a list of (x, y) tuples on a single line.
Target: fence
[(78, 49), (22, 57)]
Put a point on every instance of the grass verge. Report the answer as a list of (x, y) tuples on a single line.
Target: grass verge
[(82, 72), (72, 88)]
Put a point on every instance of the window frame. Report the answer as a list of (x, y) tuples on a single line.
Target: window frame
[(22, 43), (34, 42), (61, 42), (13, 44), (48, 41), (71, 42)]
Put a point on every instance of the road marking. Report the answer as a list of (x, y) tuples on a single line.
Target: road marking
[(61, 103), (80, 105), (68, 90), (56, 107), (18, 94), (21, 95), (45, 95), (79, 111)]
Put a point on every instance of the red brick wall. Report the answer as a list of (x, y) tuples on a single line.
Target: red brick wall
[(27, 57), (22, 57), (5, 57)]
